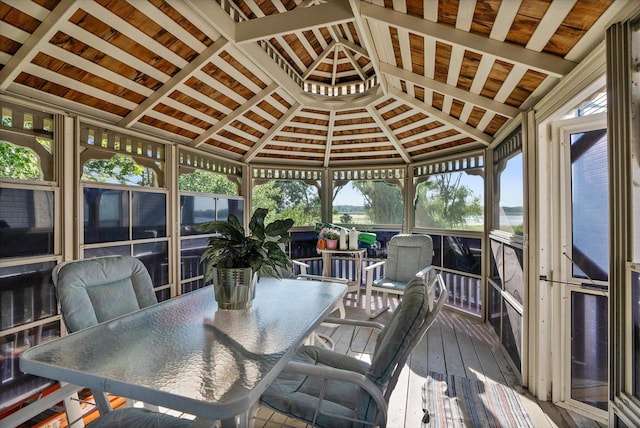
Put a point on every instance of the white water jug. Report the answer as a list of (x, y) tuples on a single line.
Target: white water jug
[(343, 239), (353, 239)]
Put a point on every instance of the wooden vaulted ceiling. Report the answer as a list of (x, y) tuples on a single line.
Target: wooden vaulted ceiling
[(304, 82)]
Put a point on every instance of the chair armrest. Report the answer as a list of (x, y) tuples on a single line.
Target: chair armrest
[(375, 265), (322, 278), (357, 323), (303, 266), (423, 273), (333, 373)]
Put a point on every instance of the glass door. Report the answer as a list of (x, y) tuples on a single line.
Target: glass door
[(584, 263)]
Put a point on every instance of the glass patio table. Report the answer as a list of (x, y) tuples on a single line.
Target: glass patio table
[(188, 355)]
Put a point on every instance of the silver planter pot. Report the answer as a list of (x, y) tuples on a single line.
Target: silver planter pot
[(234, 288)]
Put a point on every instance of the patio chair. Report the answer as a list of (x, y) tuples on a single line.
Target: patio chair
[(332, 390), (96, 290), (408, 256)]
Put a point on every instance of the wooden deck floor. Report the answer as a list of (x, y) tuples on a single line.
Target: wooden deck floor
[(455, 344)]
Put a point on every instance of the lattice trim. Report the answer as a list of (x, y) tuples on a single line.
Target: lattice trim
[(118, 142), (450, 165), (208, 163)]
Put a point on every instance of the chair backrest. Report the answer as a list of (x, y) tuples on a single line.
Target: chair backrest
[(408, 325), (95, 290), (407, 254)]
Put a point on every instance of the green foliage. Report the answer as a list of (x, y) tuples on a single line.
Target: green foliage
[(346, 218), (444, 203), (208, 182), (18, 162), (119, 169), (293, 199), (383, 202), (261, 250)]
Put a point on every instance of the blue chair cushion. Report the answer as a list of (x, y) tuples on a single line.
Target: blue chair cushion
[(297, 395), (92, 291), (132, 417), (390, 284)]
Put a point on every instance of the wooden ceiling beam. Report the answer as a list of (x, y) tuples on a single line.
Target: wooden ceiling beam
[(366, 38), (327, 149), (460, 94), (172, 84), (298, 19), (266, 92), (442, 117), (318, 60), (266, 138), (355, 64), (34, 43), (509, 52), (389, 134)]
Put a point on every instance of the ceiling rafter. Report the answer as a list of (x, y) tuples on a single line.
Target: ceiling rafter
[(453, 91), (266, 138), (354, 62), (366, 38), (319, 60), (442, 117), (388, 132), (170, 85), (32, 45), (266, 92), (509, 52), (327, 150), (298, 19), (352, 46)]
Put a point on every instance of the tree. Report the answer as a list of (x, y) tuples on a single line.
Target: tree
[(383, 202), (208, 182), (18, 162), (119, 169), (442, 201), (294, 199)]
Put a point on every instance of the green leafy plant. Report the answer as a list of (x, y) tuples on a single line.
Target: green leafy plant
[(232, 248)]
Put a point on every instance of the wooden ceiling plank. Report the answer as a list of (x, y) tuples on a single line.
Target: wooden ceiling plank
[(155, 14), (257, 126), (318, 35), (482, 74), (188, 110), (510, 83), (360, 146), (618, 11), (366, 39), (305, 43), (238, 76), (354, 127), (421, 135), (389, 133), (218, 86), (414, 125), (435, 143), (237, 113), (545, 63), (70, 83), (279, 6), (172, 84), (308, 126), (197, 19), (295, 135), (504, 19), (446, 104), (334, 68), (329, 140), (553, 17), (374, 153), (232, 143), (14, 33), (122, 26), (96, 69), (355, 48), (359, 136), (173, 121), (455, 64), (466, 8), (29, 8), (485, 121), (466, 112), (319, 60), (405, 48), (444, 118), (92, 40), (266, 138), (299, 19), (542, 89), (453, 91), (33, 43), (204, 99), (289, 51)]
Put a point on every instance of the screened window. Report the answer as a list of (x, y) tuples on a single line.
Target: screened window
[(296, 199), (451, 200), (590, 205), (367, 202)]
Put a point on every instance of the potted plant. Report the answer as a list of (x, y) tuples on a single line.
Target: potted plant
[(330, 236), (235, 261)]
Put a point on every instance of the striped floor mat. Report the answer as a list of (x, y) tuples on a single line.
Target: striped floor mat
[(454, 401)]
